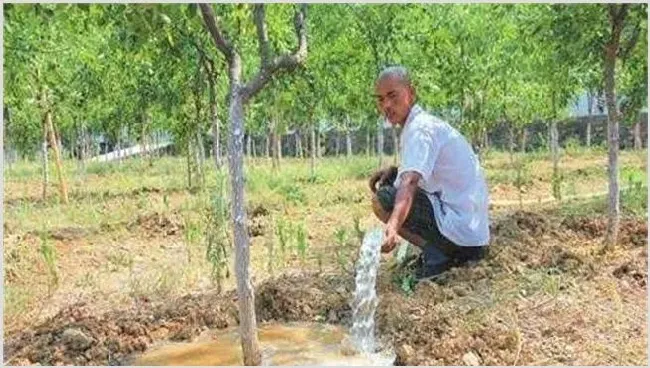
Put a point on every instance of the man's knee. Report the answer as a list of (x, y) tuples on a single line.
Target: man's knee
[(383, 202), (379, 210)]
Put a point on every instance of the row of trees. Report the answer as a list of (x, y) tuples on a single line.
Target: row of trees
[(128, 70)]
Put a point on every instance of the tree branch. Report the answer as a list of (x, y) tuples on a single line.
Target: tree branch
[(211, 23), (281, 63), (262, 35), (629, 45)]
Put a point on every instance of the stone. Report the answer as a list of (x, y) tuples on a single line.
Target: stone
[(74, 339), (471, 359)]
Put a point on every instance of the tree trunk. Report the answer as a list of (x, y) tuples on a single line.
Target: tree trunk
[(46, 178), (298, 143), (638, 142), (275, 147), (189, 163), (555, 156), (267, 145), (319, 151), (368, 143), (590, 108), (314, 150), (337, 147), (348, 143), (63, 189), (524, 139), (617, 14), (216, 149), (511, 139), (380, 141), (246, 297), (254, 146), (249, 149), (200, 156)]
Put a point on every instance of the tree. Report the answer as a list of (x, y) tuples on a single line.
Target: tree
[(239, 94)]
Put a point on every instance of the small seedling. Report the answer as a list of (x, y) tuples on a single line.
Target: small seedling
[(49, 256), (301, 242)]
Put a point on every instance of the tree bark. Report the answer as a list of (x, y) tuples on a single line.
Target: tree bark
[(189, 163), (368, 143), (267, 145), (216, 149), (314, 150), (298, 143), (63, 188), (348, 143), (249, 148), (638, 142), (617, 13), (44, 159), (200, 156), (555, 156), (524, 139), (337, 147), (590, 108), (319, 151)]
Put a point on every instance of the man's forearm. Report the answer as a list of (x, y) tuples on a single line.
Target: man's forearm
[(403, 202)]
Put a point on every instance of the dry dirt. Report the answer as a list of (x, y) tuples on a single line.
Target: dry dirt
[(544, 296)]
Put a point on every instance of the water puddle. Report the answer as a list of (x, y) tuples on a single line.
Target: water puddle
[(287, 344), (297, 344)]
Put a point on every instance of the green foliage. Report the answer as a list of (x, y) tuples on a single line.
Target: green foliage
[(217, 238), (635, 198), (301, 241), (48, 252)]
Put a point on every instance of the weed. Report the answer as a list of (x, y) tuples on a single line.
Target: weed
[(301, 242), (120, 259), (357, 229), (217, 236), (635, 198), (49, 256), (282, 231)]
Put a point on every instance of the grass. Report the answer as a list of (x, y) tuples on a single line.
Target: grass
[(313, 222)]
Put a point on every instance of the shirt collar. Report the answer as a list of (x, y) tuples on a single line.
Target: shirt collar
[(415, 110)]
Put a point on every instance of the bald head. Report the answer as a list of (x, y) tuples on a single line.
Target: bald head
[(395, 94), (397, 73)]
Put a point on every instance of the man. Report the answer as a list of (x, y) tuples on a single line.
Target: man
[(438, 198)]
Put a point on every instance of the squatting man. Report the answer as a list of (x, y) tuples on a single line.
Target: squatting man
[(437, 199)]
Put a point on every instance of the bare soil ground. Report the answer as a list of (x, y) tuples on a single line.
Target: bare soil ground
[(544, 296), (130, 270)]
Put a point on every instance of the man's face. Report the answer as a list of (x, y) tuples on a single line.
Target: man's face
[(394, 99)]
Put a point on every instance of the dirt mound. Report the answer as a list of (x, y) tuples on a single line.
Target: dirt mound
[(632, 231), (259, 210), (69, 233), (158, 223), (634, 271), (75, 337), (291, 298), (513, 224)]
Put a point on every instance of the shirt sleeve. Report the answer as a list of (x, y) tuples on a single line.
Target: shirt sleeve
[(419, 153)]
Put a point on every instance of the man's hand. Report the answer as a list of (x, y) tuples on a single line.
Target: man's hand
[(382, 176), (390, 239)]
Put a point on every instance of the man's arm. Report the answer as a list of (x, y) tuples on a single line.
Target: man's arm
[(403, 202)]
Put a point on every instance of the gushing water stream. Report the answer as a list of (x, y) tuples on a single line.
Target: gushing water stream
[(364, 303)]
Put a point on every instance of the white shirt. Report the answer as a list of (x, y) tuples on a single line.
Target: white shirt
[(451, 177)]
